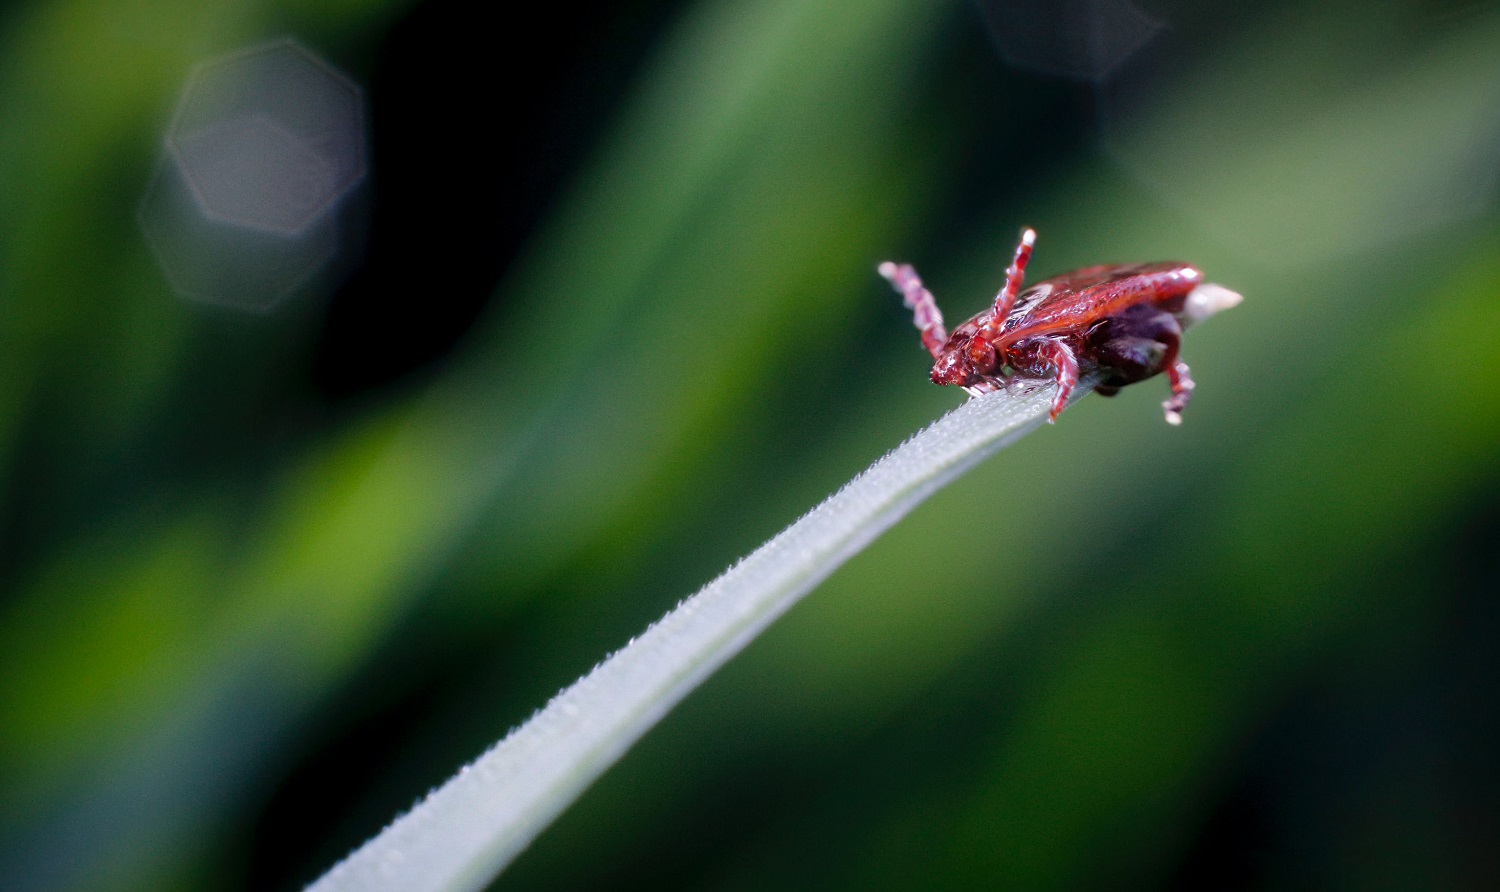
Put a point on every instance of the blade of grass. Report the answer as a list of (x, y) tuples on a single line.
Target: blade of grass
[(469, 829), (462, 834)]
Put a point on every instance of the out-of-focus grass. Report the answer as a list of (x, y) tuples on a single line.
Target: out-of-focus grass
[(689, 352), (358, 524)]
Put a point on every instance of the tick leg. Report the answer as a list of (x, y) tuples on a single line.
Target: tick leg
[(1177, 373), (1182, 391), (1136, 346), (1015, 276), (1061, 358), (925, 314)]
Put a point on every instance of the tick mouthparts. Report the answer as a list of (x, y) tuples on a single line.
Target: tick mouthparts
[(951, 368), (1206, 300)]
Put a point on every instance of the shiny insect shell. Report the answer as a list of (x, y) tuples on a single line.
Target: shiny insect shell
[(1122, 321)]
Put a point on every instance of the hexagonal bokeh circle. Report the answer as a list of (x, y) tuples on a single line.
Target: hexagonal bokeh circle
[(269, 137), (265, 143), (252, 172)]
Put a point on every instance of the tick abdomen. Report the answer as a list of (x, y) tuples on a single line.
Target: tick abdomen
[(1081, 298)]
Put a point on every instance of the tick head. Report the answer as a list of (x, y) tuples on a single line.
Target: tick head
[(964, 363)]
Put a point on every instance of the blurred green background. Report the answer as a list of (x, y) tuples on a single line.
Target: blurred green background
[(268, 578)]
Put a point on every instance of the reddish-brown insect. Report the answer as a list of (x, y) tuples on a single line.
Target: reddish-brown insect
[(1124, 322)]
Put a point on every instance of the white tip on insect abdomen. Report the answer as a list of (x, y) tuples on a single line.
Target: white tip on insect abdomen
[(1206, 300)]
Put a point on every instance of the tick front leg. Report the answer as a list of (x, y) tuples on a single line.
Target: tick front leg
[(925, 314), (1015, 277), (1060, 357)]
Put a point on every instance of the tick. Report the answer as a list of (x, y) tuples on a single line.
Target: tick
[(1123, 321)]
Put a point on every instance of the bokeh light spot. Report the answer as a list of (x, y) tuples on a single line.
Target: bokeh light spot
[(251, 172), (264, 145), (1084, 40), (233, 265)]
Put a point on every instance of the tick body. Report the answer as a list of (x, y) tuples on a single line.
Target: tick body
[(1124, 322)]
